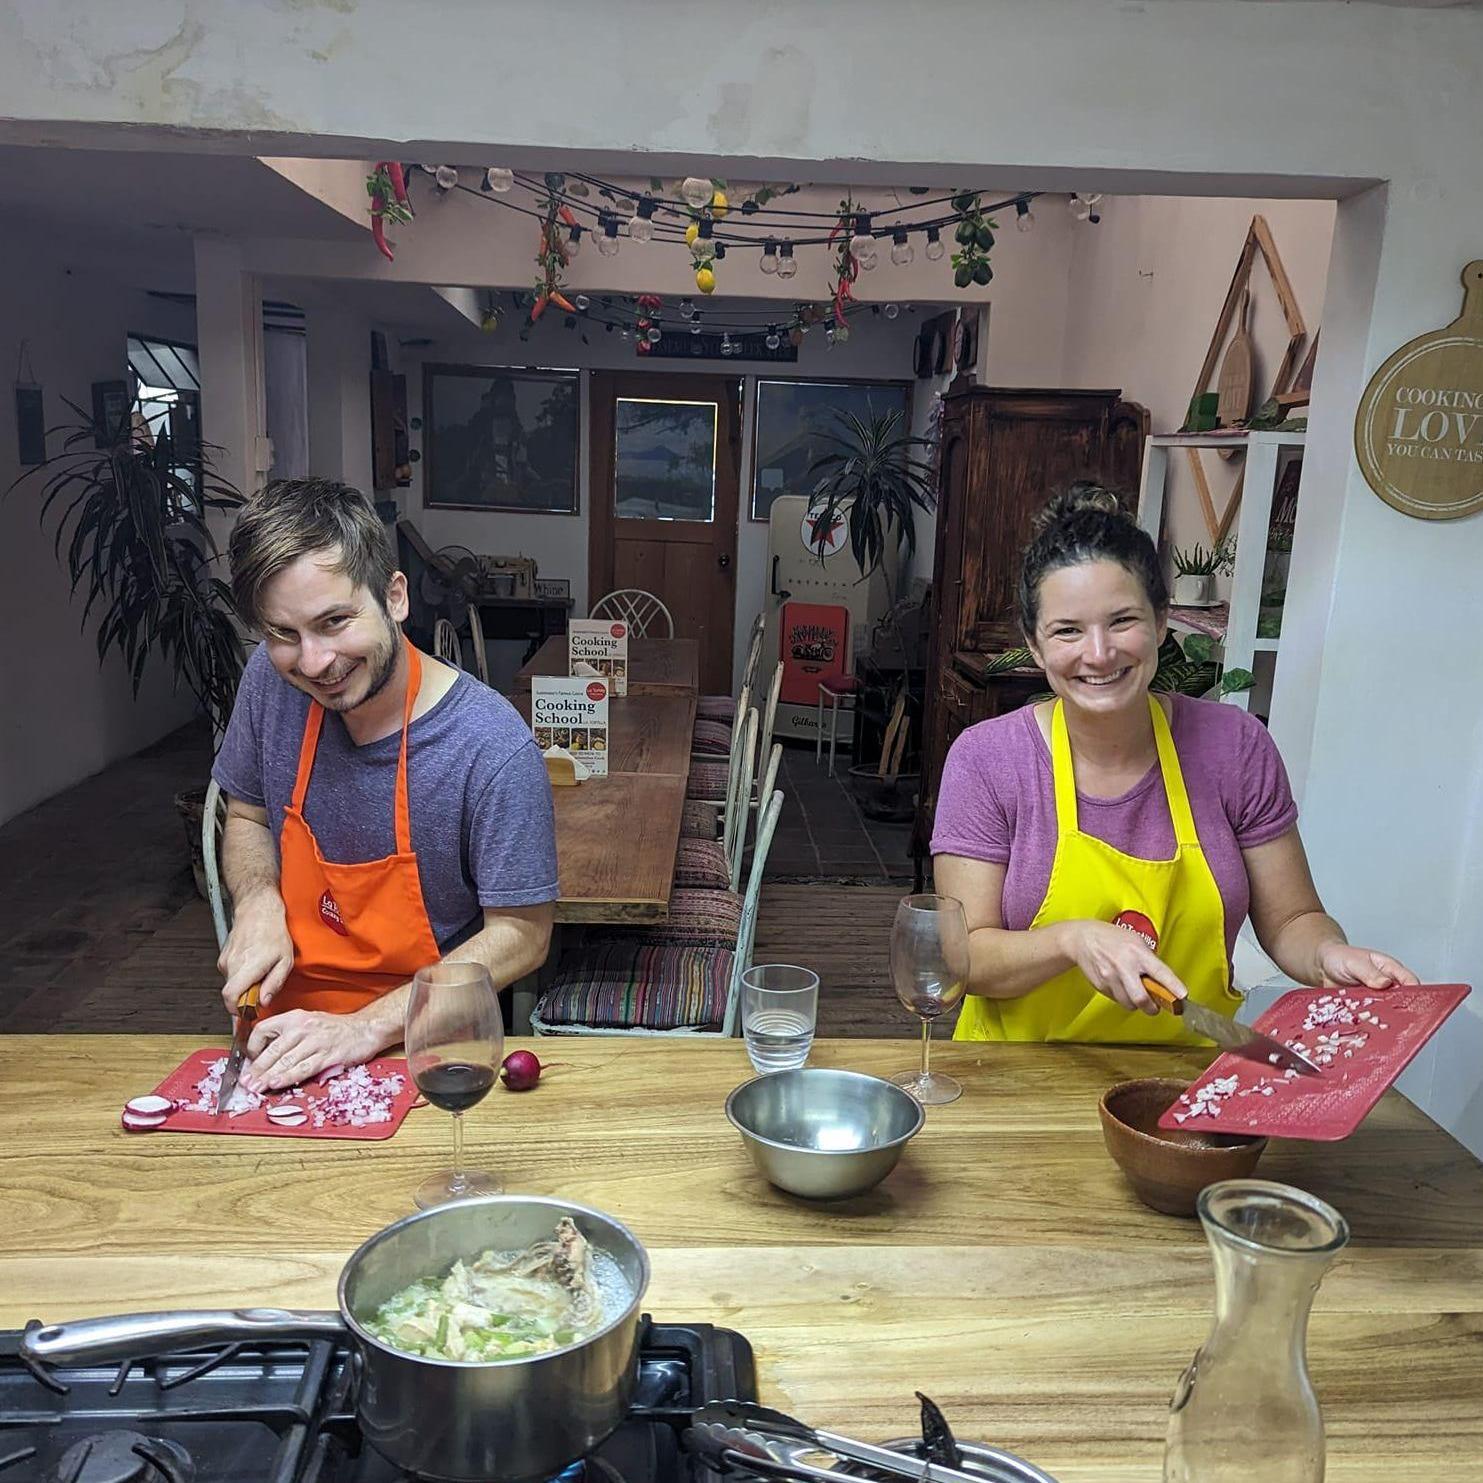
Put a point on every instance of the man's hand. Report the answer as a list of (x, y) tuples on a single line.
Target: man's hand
[(258, 949), (287, 1049)]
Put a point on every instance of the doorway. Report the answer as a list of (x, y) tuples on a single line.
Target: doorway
[(666, 459)]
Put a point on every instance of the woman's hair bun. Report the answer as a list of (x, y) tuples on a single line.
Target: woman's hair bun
[(1080, 498)]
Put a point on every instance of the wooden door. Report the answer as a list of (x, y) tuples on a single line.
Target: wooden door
[(666, 454)]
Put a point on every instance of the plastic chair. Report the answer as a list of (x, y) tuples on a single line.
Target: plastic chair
[(213, 824), (741, 960), (481, 654), (446, 645), (640, 610)]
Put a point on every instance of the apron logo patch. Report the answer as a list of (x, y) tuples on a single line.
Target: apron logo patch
[(1135, 921), (329, 914)]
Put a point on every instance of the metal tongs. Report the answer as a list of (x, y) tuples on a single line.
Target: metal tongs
[(742, 1438)]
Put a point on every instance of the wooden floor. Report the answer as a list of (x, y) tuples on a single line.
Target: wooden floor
[(101, 929)]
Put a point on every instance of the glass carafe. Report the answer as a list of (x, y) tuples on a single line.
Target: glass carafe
[(1244, 1410)]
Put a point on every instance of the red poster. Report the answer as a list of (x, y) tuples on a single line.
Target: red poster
[(815, 646)]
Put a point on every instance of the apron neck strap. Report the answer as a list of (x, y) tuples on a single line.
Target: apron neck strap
[(1064, 777), (310, 745)]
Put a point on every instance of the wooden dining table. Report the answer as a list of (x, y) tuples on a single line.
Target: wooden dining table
[(655, 666), (1003, 1268)]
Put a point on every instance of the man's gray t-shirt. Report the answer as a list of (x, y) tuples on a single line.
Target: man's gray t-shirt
[(482, 825)]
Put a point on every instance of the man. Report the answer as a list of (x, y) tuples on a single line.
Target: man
[(385, 810)]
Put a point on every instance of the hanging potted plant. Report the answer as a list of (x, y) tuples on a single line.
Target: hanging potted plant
[(130, 506), (875, 483)]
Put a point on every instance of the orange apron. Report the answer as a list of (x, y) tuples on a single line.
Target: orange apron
[(358, 930)]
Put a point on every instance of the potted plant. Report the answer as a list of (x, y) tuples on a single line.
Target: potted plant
[(875, 483), (131, 507), (1195, 570), (1190, 668)]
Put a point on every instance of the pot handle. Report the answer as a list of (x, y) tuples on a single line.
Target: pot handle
[(141, 1335)]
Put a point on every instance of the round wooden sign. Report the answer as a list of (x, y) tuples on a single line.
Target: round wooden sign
[(1418, 434)]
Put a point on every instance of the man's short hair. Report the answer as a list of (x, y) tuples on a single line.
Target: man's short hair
[(291, 518)]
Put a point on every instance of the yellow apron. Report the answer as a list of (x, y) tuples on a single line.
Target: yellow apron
[(1091, 880)]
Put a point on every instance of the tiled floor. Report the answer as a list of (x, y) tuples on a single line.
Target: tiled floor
[(822, 835), (101, 928)]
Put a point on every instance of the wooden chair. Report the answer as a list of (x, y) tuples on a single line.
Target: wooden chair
[(446, 645), (655, 984), (640, 610), (213, 824), (481, 654), (724, 707), (704, 862)]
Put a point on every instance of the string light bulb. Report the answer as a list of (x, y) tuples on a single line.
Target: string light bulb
[(773, 338), (497, 178), (655, 334), (787, 263), (701, 245), (573, 242), (891, 311), (446, 177), (696, 192), (769, 263), (695, 327), (934, 249), (902, 252), (726, 343), (582, 302), (1024, 218), (607, 244), (862, 244), (641, 228)]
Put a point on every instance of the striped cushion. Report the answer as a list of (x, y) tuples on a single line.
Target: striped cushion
[(698, 820), (699, 917), (712, 738), (700, 864), (622, 984), (716, 707), (708, 780)]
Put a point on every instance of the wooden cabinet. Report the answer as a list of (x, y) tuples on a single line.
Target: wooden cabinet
[(1005, 452)]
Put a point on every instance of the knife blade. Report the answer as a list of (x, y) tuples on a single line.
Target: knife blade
[(246, 1017), (1239, 1039)]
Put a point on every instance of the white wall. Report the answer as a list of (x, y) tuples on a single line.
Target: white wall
[(878, 349), (63, 718), (1164, 96)]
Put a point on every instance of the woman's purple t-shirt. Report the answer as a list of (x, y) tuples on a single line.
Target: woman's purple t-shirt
[(997, 803)]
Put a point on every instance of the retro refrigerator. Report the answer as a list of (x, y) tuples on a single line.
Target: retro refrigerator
[(820, 615)]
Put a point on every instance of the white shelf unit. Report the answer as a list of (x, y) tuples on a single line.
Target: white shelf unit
[(1240, 646)]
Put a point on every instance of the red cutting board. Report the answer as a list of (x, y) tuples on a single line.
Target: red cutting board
[(180, 1086), (1261, 1100)]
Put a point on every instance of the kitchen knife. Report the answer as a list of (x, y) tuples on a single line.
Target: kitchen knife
[(246, 1019), (1225, 1032)]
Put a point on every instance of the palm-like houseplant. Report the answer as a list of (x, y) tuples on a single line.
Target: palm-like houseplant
[(875, 482), (131, 510)]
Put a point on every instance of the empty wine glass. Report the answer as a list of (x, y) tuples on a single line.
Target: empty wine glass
[(455, 1040), (929, 971)]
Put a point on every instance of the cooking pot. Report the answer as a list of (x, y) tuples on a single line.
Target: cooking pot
[(498, 1421)]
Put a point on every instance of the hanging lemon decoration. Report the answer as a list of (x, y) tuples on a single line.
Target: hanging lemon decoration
[(705, 280)]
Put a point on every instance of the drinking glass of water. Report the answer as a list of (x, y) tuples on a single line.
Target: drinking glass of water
[(780, 1004), (929, 971)]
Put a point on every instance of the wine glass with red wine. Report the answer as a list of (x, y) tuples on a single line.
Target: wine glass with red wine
[(455, 1040), (929, 971)]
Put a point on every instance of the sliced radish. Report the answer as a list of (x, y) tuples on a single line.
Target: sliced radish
[(142, 1122), (295, 1120), (149, 1106), (286, 1112)]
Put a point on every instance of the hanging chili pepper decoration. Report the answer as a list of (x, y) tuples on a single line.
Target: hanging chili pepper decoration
[(386, 185), (846, 268)]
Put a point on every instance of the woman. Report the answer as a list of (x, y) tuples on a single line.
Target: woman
[(1111, 834)]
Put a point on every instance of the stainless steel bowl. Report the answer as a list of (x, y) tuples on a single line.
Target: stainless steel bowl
[(824, 1134)]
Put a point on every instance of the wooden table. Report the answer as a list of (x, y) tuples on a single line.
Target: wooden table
[(1004, 1268), (655, 666), (646, 733)]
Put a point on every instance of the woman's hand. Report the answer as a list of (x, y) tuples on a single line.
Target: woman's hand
[(1115, 959), (287, 1049), (1341, 965)]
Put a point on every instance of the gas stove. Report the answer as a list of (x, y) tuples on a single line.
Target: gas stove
[(285, 1413)]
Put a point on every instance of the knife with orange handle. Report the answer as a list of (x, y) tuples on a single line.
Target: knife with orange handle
[(1225, 1032), (247, 1003)]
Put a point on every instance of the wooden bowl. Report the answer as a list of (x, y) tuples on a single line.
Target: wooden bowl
[(1168, 1169)]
